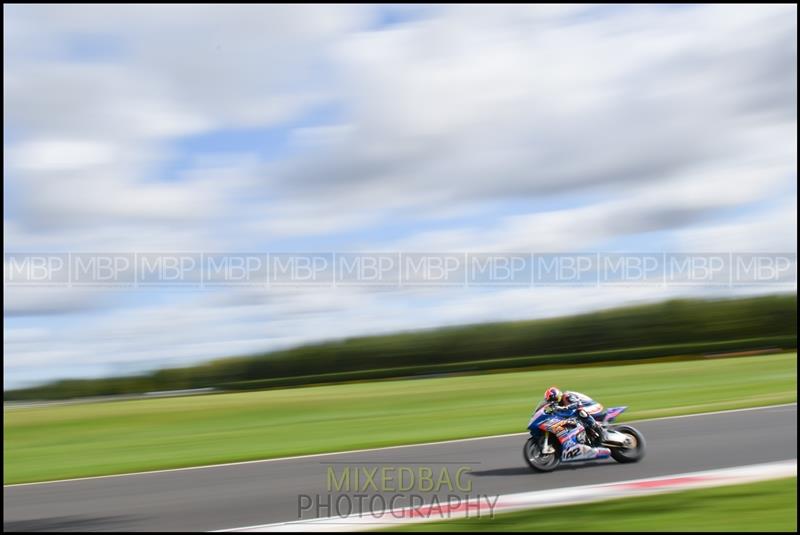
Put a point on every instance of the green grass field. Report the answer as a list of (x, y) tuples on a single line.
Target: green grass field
[(56, 442), (764, 506)]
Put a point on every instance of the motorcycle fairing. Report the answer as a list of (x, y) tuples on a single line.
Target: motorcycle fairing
[(570, 434)]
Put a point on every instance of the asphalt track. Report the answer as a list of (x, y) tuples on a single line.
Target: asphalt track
[(238, 495)]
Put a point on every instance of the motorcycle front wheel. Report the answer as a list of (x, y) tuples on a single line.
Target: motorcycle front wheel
[(541, 462)]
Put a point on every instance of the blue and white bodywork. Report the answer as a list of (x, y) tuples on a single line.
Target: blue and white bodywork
[(558, 436)]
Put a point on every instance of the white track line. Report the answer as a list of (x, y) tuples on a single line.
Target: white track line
[(534, 500), (313, 455)]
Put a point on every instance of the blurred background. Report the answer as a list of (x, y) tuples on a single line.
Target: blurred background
[(386, 129), (377, 128)]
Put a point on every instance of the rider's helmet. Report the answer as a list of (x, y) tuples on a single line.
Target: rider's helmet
[(552, 394)]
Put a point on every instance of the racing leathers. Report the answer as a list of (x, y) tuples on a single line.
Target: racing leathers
[(582, 406)]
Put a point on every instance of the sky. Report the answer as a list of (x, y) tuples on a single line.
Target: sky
[(357, 128)]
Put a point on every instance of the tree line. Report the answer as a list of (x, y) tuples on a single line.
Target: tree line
[(631, 332)]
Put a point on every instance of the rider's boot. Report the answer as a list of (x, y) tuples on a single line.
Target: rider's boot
[(599, 434)]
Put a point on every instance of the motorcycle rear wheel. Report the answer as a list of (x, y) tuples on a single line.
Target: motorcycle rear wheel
[(635, 452)]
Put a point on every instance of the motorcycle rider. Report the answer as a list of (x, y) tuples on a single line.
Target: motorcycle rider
[(569, 403)]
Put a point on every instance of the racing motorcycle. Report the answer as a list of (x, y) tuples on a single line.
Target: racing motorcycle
[(557, 439)]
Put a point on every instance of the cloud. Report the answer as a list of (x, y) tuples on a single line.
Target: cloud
[(456, 107), (28, 301), (447, 128), (769, 231), (466, 107)]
